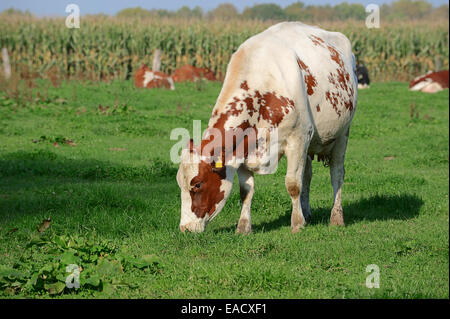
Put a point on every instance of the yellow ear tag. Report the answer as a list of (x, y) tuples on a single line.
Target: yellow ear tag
[(219, 164)]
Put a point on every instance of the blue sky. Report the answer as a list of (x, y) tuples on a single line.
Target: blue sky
[(57, 7)]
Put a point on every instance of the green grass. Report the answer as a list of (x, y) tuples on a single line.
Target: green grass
[(115, 191)]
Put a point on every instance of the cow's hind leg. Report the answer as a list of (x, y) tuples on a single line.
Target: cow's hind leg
[(337, 173), (247, 189), (296, 153), (304, 197)]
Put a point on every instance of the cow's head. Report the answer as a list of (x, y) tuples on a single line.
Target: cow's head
[(204, 185)]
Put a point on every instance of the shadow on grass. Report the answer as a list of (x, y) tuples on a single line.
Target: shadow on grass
[(379, 207), (23, 167), (42, 183), (46, 163)]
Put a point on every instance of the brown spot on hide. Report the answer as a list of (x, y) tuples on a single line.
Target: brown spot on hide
[(335, 56), (268, 106), (333, 99), (274, 108), (293, 190), (316, 40), (340, 79), (318, 108), (310, 80), (244, 86), (208, 195)]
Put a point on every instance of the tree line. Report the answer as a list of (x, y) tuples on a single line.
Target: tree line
[(298, 11)]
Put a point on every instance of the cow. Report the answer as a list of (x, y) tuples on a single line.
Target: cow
[(146, 78), (294, 79), (431, 82), (363, 76), (191, 73)]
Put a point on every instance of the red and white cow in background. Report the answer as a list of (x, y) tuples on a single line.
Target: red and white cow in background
[(293, 78), (191, 73), (146, 78), (431, 82)]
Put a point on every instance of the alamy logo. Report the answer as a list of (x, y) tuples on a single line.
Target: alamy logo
[(73, 19), (229, 146), (373, 280), (373, 19), (73, 280)]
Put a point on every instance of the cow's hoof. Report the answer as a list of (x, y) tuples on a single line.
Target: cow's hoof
[(307, 218), (244, 227), (296, 229), (297, 223), (337, 219), (336, 222)]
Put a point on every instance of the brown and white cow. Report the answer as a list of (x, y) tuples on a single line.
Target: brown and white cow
[(431, 82), (191, 73), (296, 80), (146, 78)]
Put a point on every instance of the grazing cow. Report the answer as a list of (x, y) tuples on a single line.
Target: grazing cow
[(363, 76), (293, 79), (146, 78), (191, 73), (431, 82)]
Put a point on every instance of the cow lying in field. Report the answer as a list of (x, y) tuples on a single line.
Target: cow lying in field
[(363, 76), (191, 73), (431, 82), (293, 80), (146, 78)]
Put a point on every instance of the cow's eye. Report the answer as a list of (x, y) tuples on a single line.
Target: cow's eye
[(196, 187)]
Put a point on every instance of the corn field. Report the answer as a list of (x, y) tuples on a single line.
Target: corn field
[(106, 48)]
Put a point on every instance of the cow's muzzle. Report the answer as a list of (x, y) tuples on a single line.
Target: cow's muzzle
[(192, 227)]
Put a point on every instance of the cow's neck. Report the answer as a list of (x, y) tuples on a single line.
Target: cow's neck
[(224, 135)]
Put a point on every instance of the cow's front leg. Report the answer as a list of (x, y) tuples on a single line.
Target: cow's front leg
[(296, 153), (337, 173), (247, 189)]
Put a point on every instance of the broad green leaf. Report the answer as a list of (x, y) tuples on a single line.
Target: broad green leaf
[(11, 274), (93, 281), (143, 262), (60, 241), (55, 288), (68, 258), (108, 268), (33, 280)]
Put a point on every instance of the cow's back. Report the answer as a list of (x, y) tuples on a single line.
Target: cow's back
[(329, 73), (313, 68)]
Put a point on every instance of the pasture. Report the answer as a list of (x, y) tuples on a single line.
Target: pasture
[(104, 176)]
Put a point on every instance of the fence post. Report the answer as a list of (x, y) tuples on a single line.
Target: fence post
[(156, 60), (6, 65), (437, 63)]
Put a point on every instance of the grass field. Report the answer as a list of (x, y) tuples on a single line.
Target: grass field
[(104, 177)]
